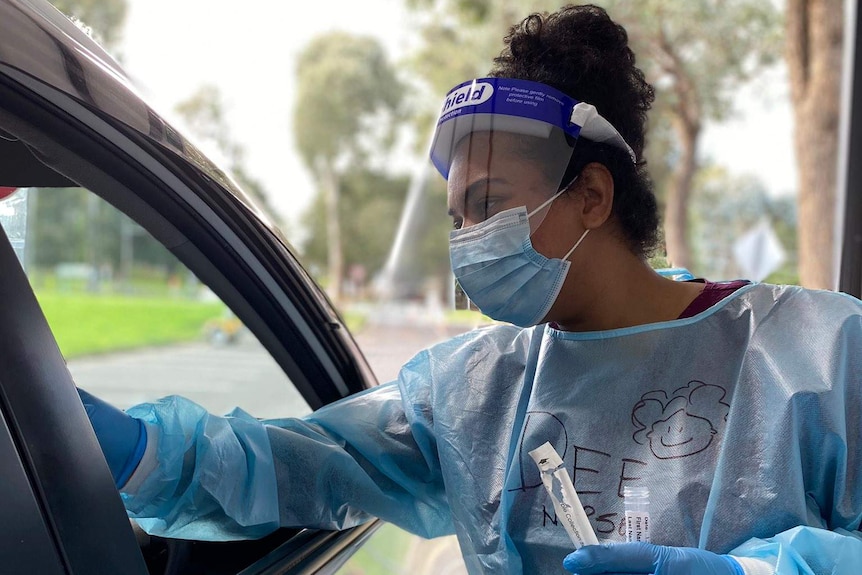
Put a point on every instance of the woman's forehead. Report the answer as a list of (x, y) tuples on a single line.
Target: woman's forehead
[(486, 155), (485, 147), (505, 157), (485, 160)]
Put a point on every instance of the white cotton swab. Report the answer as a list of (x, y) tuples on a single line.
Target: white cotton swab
[(566, 502)]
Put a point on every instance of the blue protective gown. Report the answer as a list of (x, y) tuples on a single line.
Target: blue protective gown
[(744, 421)]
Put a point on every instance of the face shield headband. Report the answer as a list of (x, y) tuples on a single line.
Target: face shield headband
[(518, 107)]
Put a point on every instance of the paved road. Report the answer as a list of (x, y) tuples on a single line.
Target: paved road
[(243, 374), (218, 377), (222, 377), (387, 348)]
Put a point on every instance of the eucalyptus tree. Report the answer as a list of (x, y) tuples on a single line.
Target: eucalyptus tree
[(347, 107)]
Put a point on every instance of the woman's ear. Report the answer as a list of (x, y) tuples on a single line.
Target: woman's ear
[(596, 187)]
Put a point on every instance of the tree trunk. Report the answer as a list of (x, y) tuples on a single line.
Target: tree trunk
[(678, 194), (686, 121), (814, 59), (335, 257)]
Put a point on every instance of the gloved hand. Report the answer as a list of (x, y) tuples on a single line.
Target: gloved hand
[(648, 558), (123, 438)]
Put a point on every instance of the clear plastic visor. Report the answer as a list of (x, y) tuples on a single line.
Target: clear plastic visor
[(491, 171)]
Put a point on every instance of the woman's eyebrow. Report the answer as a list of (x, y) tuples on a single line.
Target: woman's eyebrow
[(478, 186), (481, 185)]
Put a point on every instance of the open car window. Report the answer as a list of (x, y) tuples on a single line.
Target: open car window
[(155, 278), (132, 321)]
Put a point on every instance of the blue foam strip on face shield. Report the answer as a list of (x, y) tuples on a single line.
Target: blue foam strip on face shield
[(509, 105)]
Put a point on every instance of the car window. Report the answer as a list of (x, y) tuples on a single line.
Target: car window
[(133, 323)]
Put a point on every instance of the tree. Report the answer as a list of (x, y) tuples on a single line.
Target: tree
[(74, 226), (814, 42), (369, 207), (104, 17), (348, 99), (204, 115), (695, 52)]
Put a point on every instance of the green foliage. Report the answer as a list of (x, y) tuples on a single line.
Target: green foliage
[(434, 253), (85, 324), (724, 207), (715, 46), (348, 103), (369, 209), (204, 114), (58, 229), (347, 98), (695, 52), (384, 553), (72, 225), (355, 320), (104, 17), (467, 317)]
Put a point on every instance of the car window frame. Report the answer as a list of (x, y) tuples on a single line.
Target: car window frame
[(222, 242), (231, 235), (849, 212), (58, 455)]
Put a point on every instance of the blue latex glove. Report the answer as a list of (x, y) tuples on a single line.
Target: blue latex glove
[(123, 438), (647, 558)]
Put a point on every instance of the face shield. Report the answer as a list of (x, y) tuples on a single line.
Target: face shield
[(505, 148), (503, 143)]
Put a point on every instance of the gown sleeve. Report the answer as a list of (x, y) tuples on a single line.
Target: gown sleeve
[(803, 551), (829, 438), (214, 478)]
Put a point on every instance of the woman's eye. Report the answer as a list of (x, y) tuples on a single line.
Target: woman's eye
[(492, 208), (484, 209)]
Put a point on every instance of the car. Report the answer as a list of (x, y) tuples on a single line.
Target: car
[(73, 127)]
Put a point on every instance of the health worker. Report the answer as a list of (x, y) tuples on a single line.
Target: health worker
[(738, 405)]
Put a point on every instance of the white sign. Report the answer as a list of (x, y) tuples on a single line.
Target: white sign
[(758, 252)]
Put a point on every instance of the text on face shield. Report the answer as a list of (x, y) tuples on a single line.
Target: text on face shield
[(470, 95)]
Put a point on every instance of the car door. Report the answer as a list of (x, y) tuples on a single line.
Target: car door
[(849, 241), (70, 129)]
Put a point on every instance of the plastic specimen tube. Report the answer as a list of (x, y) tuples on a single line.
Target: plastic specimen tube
[(566, 502), (636, 504)]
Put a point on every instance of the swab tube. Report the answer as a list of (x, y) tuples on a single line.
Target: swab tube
[(636, 504), (566, 502)]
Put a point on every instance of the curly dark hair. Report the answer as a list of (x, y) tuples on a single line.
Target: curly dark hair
[(580, 51)]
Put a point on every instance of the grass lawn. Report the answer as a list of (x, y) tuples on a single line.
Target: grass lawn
[(467, 317), (355, 320), (85, 324), (383, 554)]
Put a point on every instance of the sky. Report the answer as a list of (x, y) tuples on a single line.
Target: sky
[(247, 49)]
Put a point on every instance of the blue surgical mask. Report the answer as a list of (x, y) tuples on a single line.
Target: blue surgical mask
[(502, 273)]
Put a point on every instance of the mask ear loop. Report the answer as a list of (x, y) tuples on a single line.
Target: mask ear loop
[(552, 198), (571, 251), (546, 203)]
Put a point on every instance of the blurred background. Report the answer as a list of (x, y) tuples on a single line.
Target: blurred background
[(325, 119), (323, 114)]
